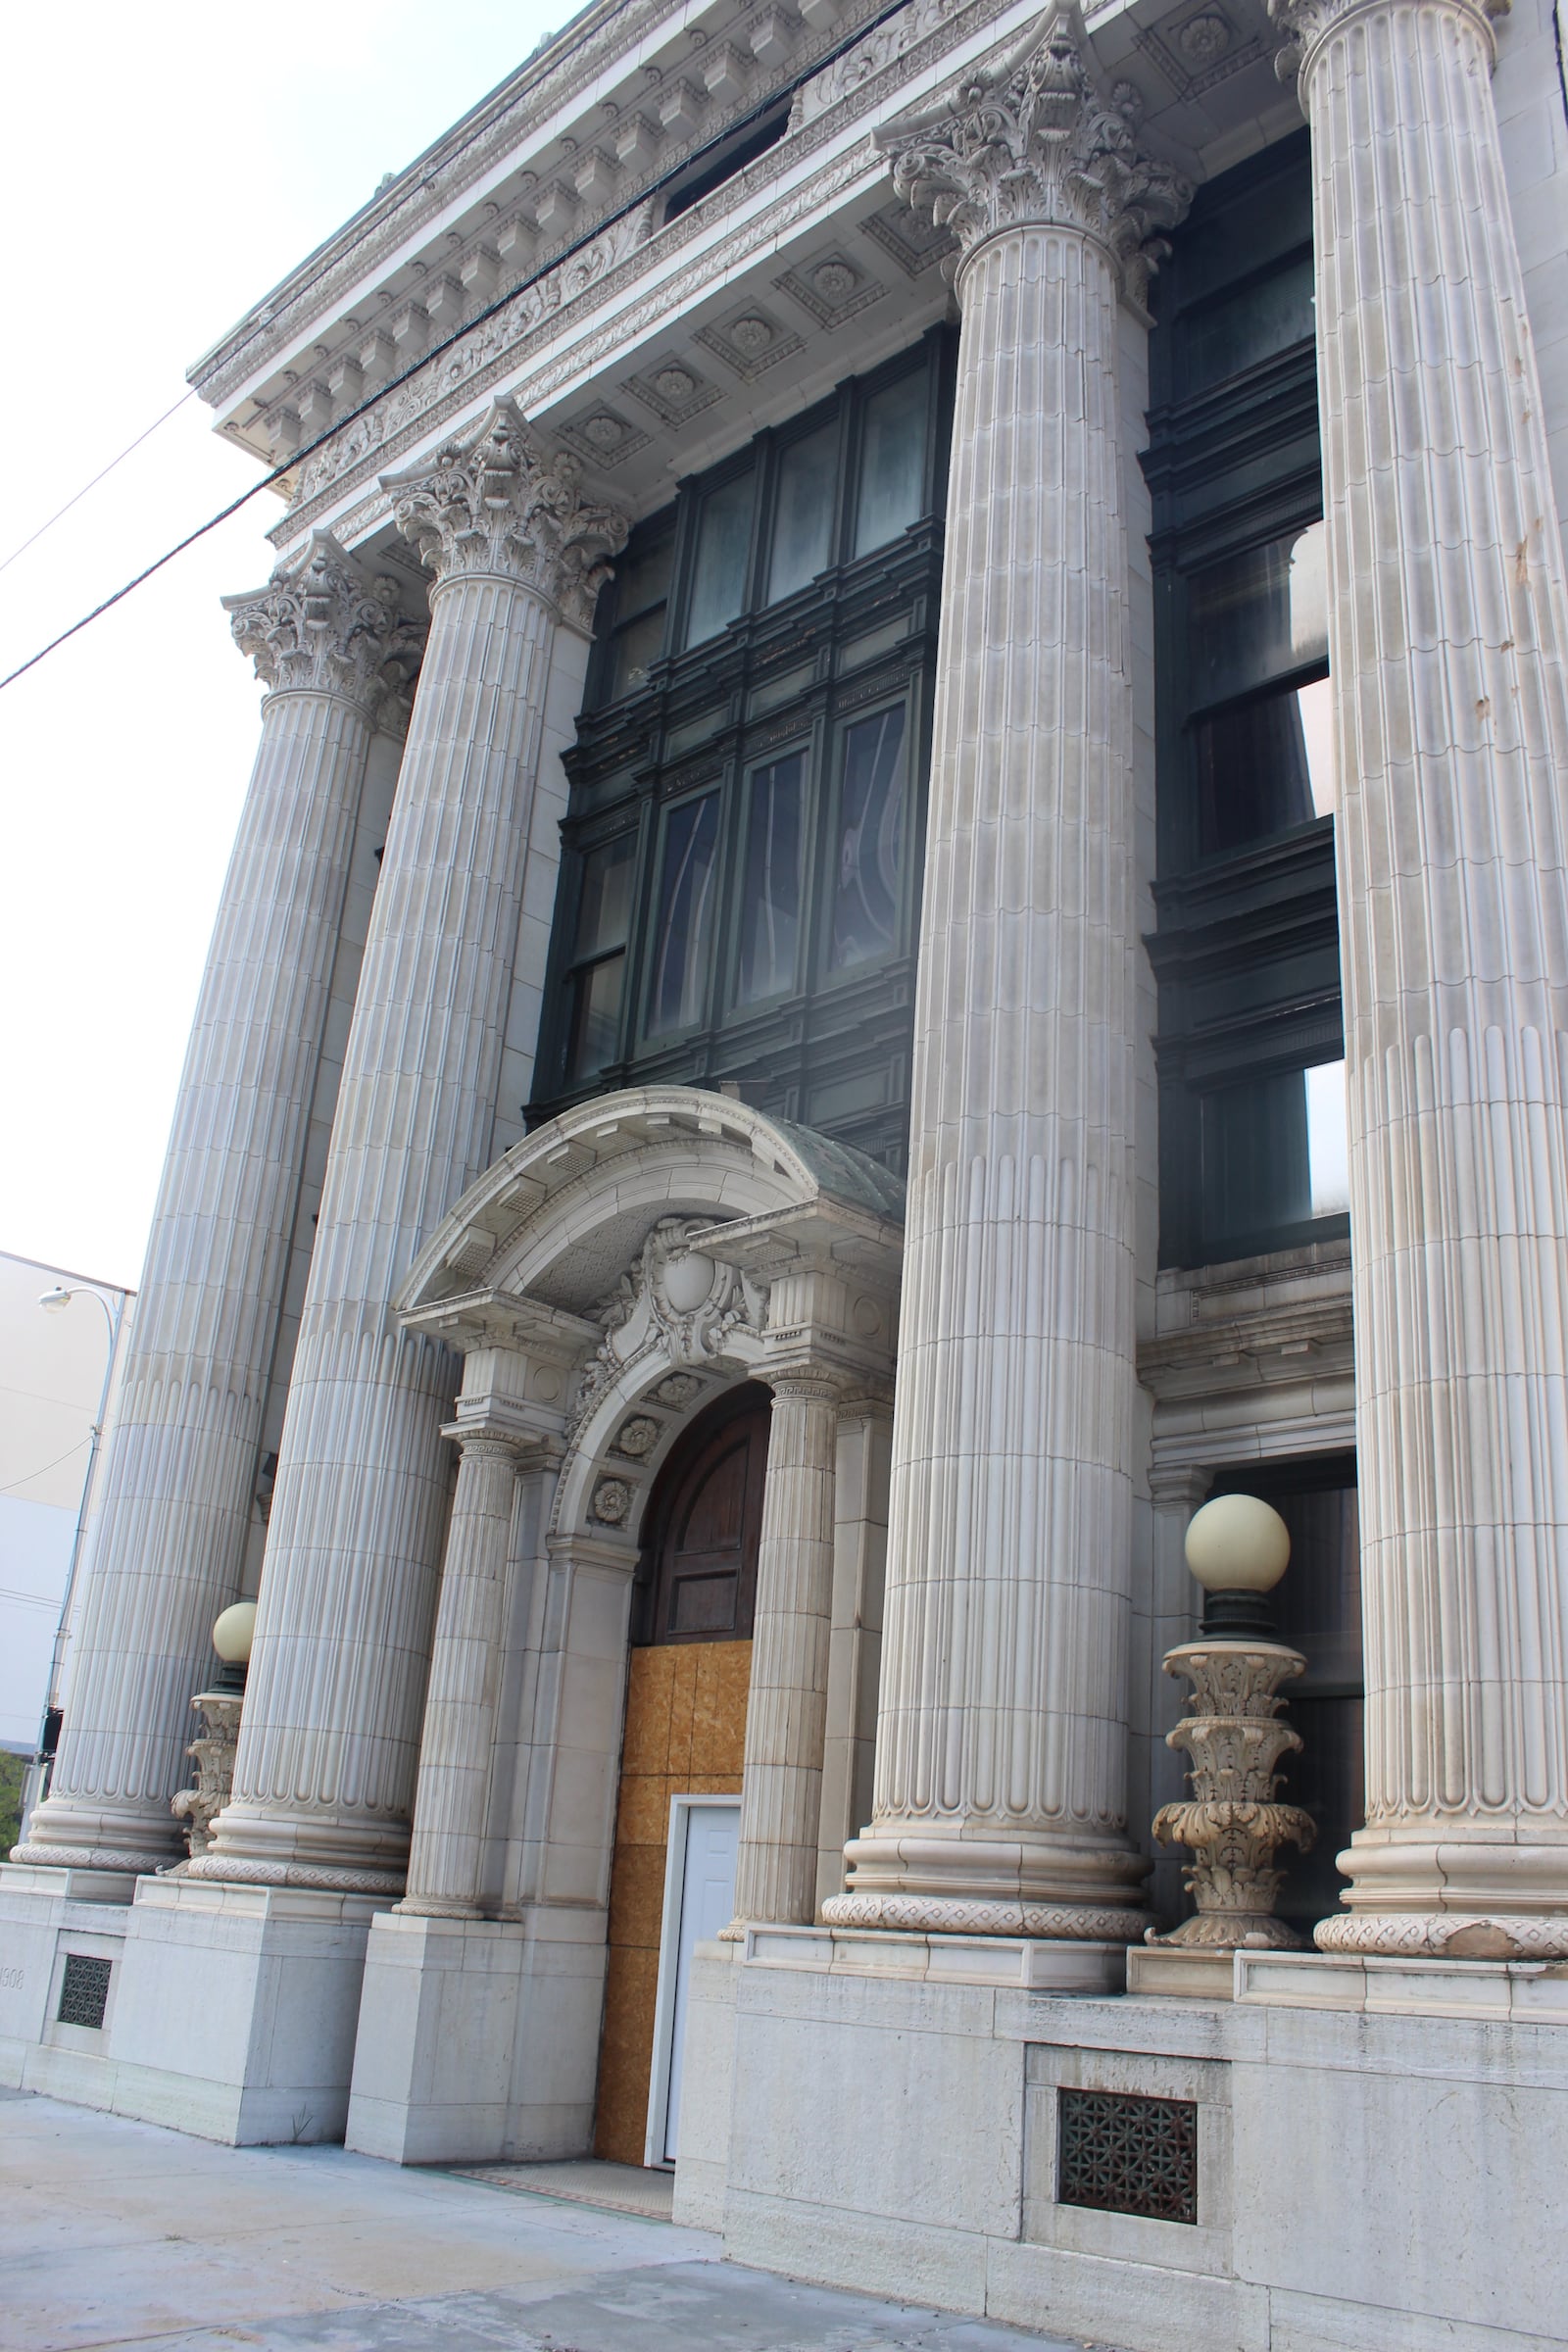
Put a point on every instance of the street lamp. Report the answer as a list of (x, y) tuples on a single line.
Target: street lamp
[(55, 1302)]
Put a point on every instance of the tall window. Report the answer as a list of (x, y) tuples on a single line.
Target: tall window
[(739, 892), (1253, 1114)]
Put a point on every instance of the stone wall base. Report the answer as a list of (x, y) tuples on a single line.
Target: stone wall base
[(1379, 2147), (478, 2039), (230, 2011)]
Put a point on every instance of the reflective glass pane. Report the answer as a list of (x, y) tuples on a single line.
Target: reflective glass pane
[(803, 516), (604, 902), (595, 1034), (724, 543), (870, 841), (1258, 616), (771, 885), (684, 920), (889, 496), (640, 642), (1275, 1153), (642, 576), (1265, 767), (1224, 338)]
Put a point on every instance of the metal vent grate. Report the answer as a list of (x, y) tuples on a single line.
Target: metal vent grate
[(1125, 2154), (85, 1992)]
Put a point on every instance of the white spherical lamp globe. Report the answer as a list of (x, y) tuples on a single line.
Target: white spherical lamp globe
[(1237, 1544), (233, 1632)]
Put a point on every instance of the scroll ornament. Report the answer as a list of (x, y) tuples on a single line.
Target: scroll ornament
[(494, 501), (1033, 140), (321, 624)]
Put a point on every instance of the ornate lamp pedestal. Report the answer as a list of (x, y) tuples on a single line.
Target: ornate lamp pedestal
[(1235, 1736), (217, 1712)]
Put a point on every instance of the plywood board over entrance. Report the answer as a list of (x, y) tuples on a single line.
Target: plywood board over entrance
[(685, 1735)]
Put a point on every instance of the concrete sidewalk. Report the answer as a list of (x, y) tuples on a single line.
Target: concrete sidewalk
[(117, 2234)]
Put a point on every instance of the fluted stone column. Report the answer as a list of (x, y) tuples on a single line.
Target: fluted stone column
[(181, 1460), (447, 1853), (323, 1780), (1002, 1726), (1449, 644), (786, 1708)]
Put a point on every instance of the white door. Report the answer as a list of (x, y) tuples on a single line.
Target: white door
[(706, 1899)]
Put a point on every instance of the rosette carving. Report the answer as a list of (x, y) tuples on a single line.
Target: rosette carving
[(1235, 1737), (493, 502), (319, 624), (1034, 140)]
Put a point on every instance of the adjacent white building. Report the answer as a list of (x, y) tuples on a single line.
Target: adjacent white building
[(56, 1385), (904, 906)]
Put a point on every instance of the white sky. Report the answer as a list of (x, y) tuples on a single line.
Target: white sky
[(163, 167)]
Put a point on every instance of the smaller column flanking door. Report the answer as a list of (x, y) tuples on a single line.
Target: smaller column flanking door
[(699, 1901)]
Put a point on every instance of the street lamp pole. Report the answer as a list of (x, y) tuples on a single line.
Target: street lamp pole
[(55, 1302)]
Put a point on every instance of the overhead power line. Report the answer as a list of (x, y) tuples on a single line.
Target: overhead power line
[(102, 475), (299, 457)]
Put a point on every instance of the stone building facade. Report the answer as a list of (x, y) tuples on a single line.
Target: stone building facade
[(914, 758)]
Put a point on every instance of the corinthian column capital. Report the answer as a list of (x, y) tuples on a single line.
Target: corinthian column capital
[(319, 624), (1303, 23), (493, 502), (1033, 140)]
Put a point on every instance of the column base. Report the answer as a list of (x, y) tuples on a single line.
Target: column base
[(316, 1853), (955, 1915), (1459, 1897), (1444, 1935), (924, 1884), (64, 1834), (478, 2039)]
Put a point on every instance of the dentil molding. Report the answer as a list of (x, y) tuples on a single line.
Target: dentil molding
[(1031, 141)]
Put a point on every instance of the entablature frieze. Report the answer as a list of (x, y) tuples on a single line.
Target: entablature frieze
[(619, 296), (1224, 1333), (571, 148)]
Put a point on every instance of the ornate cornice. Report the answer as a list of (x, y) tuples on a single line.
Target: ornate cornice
[(320, 626), (493, 502), (1033, 140), (502, 130), (1303, 24), (519, 347)]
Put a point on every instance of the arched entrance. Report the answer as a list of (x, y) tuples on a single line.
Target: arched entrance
[(685, 1731), (615, 1276)]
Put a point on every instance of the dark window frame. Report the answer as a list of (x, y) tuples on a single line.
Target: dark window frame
[(786, 676), (1245, 951)]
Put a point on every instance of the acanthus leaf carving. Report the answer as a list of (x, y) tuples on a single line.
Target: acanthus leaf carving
[(493, 502), (213, 1752), (1033, 140), (1235, 1736), (673, 1298), (319, 624)]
